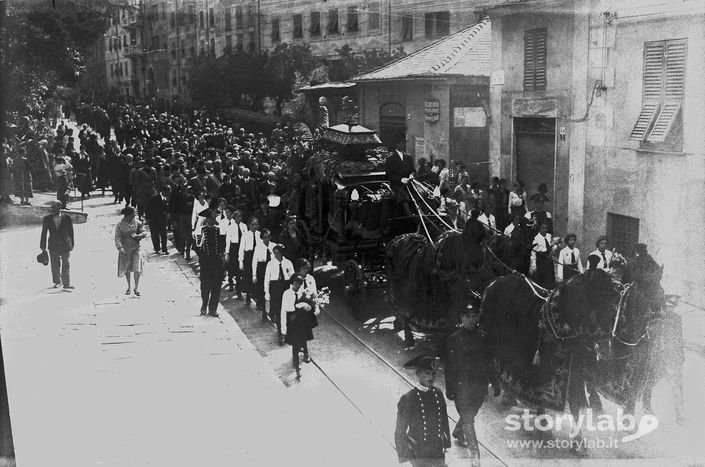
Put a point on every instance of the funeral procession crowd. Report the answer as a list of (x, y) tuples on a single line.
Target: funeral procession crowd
[(235, 200)]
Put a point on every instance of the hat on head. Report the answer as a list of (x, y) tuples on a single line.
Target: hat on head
[(208, 212), (593, 261), (423, 363)]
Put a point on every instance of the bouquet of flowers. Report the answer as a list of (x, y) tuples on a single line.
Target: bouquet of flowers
[(318, 300), (617, 260)]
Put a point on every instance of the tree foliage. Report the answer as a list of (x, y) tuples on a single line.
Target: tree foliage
[(351, 63), (44, 45), (244, 79)]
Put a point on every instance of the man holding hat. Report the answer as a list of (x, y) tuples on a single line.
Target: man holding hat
[(59, 227), (210, 259), (468, 372), (422, 433)]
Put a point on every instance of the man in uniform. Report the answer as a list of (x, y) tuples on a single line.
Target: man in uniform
[(399, 169), (211, 260), (422, 433), (468, 372)]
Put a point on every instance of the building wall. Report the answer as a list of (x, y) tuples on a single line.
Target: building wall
[(511, 101), (122, 43), (661, 189), (390, 14), (599, 170), (429, 139)]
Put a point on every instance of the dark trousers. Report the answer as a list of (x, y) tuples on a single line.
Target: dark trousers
[(233, 266), (211, 281), (295, 353), (158, 233), (182, 234), (60, 268), (276, 290), (259, 285), (544, 270), (468, 405)]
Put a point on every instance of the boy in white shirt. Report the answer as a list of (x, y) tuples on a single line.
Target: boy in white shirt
[(569, 257), (261, 257), (276, 281), (541, 259), (236, 228), (603, 253)]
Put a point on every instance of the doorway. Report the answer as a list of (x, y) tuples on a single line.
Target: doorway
[(536, 154), (392, 122)]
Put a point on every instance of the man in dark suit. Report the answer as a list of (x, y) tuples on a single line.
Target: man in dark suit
[(399, 169), (422, 433), (60, 229), (157, 217), (468, 373)]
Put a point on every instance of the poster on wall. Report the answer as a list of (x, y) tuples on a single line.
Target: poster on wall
[(419, 147), (432, 110), (469, 117)]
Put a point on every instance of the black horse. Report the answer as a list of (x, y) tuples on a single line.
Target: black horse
[(590, 334)]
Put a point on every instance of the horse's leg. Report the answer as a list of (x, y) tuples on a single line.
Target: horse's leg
[(594, 399), (408, 335), (676, 383)]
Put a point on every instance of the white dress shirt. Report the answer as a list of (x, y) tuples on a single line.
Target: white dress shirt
[(260, 255), (541, 245), (234, 232), (196, 220), (566, 257), (223, 223), (288, 305), (247, 243), (509, 229), (607, 255), (490, 223), (272, 272), (515, 200)]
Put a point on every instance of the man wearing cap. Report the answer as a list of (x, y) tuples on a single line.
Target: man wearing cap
[(211, 261), (59, 227), (468, 372), (422, 433)]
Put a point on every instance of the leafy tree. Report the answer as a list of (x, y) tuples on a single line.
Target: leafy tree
[(44, 46), (351, 63), (285, 65)]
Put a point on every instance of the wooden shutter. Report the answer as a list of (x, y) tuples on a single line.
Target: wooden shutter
[(535, 60), (646, 117), (654, 63)]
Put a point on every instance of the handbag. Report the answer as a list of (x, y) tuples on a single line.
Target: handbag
[(43, 258)]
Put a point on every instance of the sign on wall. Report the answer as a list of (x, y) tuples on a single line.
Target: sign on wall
[(419, 147), (432, 110), (473, 117)]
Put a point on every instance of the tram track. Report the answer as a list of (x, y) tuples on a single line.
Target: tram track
[(389, 365)]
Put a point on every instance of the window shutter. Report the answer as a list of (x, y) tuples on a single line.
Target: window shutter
[(535, 60), (529, 64), (540, 60), (665, 120), (675, 70), (646, 117), (653, 70), (673, 90)]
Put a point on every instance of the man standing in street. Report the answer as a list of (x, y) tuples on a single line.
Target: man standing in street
[(60, 229), (468, 373), (422, 433), (157, 213), (211, 254)]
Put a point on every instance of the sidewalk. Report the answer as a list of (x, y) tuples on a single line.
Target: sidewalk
[(98, 378)]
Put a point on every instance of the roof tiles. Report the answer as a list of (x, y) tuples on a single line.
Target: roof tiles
[(465, 53)]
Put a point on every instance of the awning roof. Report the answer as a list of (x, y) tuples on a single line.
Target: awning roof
[(465, 53), (327, 87)]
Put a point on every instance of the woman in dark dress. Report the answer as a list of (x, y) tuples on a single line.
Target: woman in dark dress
[(292, 241), (295, 323)]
